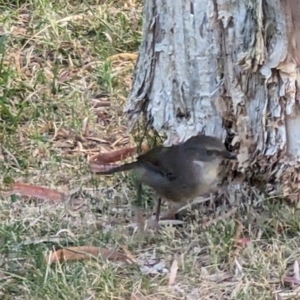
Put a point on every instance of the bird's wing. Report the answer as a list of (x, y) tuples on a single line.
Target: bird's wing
[(162, 159)]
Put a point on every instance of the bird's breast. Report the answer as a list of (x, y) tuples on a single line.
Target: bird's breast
[(207, 172)]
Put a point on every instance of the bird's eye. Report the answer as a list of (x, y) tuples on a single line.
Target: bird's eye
[(209, 152), (170, 176)]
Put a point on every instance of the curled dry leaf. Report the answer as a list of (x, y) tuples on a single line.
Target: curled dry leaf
[(85, 252), (36, 191), (117, 155), (113, 156), (105, 161), (96, 167)]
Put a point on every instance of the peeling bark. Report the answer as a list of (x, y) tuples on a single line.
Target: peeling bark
[(224, 67)]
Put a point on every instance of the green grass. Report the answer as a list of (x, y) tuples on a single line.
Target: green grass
[(60, 88)]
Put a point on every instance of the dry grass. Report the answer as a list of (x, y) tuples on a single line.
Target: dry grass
[(62, 89)]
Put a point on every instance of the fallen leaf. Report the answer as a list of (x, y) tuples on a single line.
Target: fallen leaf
[(117, 155), (173, 272), (105, 161), (296, 270), (123, 56), (292, 280), (113, 156), (85, 252), (36, 191), (96, 167)]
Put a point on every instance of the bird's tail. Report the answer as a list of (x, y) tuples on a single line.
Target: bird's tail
[(108, 169)]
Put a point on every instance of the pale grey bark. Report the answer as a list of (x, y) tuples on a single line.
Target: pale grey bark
[(204, 64)]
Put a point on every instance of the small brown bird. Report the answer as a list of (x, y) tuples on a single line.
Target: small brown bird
[(181, 172)]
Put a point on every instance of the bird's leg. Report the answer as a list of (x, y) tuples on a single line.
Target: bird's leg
[(151, 224), (211, 201), (158, 207), (138, 207), (154, 223), (139, 193)]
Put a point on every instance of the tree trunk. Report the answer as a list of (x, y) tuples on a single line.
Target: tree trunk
[(228, 69)]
